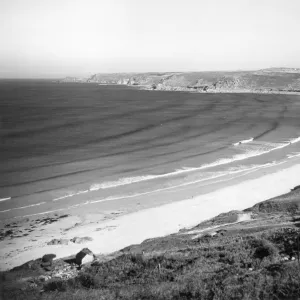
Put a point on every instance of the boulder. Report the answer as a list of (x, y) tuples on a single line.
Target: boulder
[(84, 256), (58, 242), (48, 258), (81, 240)]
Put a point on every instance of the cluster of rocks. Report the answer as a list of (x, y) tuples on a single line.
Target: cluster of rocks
[(75, 240), (286, 257), (62, 270)]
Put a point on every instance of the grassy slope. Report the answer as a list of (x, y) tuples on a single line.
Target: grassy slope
[(222, 258)]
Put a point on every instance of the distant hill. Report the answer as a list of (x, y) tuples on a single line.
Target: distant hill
[(271, 80)]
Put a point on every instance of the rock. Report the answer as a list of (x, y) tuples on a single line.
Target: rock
[(84, 256), (8, 232), (48, 258), (46, 264), (43, 278), (212, 233), (58, 242), (81, 240), (284, 258)]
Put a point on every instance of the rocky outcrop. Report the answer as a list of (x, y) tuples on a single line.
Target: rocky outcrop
[(58, 242), (75, 240), (48, 258), (81, 240), (84, 256), (47, 261)]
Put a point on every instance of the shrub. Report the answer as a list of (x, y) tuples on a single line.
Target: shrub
[(264, 249), (88, 280), (56, 285)]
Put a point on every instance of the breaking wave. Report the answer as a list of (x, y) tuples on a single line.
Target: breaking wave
[(250, 147), (293, 155), (21, 207), (243, 142), (256, 150), (5, 199), (215, 175), (296, 140)]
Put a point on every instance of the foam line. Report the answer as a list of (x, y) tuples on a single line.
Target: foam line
[(251, 169), (243, 142), (5, 199), (293, 155), (21, 207), (253, 152), (246, 170)]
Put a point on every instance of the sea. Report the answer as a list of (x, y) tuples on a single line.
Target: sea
[(70, 145)]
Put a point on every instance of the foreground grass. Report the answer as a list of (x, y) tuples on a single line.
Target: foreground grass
[(242, 266), (256, 259)]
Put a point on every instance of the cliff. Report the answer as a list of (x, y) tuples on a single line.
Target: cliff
[(270, 80)]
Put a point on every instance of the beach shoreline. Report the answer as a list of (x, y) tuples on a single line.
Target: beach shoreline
[(112, 231)]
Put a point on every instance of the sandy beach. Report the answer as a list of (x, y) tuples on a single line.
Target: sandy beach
[(114, 230)]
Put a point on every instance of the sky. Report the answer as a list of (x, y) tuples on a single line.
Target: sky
[(57, 38)]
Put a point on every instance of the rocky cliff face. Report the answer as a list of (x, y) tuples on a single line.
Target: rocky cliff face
[(267, 80)]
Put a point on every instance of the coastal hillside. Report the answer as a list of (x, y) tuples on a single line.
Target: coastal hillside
[(267, 80), (249, 254)]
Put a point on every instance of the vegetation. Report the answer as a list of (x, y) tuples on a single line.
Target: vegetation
[(242, 266), (253, 259)]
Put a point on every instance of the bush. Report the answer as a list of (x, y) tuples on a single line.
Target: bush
[(56, 285), (88, 280), (264, 249)]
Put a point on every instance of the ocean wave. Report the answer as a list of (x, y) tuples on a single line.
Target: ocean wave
[(232, 171), (249, 154), (5, 199), (293, 155), (72, 194), (21, 207), (296, 140), (214, 175), (52, 211), (243, 142), (251, 149)]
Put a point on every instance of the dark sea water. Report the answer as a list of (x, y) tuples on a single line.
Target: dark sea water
[(63, 145)]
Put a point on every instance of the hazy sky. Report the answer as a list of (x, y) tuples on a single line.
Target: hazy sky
[(54, 38)]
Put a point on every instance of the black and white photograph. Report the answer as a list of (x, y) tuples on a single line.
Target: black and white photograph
[(150, 150)]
